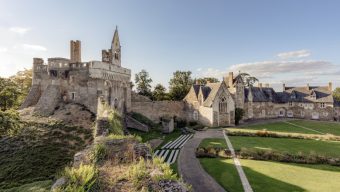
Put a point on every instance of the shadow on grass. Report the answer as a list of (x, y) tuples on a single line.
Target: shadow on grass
[(225, 173)]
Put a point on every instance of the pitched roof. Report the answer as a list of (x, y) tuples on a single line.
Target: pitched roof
[(264, 94), (304, 94), (210, 90)]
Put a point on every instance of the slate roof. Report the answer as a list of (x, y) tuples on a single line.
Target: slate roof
[(264, 94), (209, 92), (304, 94)]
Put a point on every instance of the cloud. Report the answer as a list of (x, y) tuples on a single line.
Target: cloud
[(211, 72), (294, 54), (269, 68), (3, 49), (19, 30), (33, 47)]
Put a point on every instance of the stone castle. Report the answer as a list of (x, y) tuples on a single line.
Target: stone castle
[(71, 80), (63, 80)]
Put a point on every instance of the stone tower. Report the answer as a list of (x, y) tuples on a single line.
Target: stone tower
[(75, 49), (116, 49)]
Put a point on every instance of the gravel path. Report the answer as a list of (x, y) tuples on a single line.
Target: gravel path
[(190, 167)]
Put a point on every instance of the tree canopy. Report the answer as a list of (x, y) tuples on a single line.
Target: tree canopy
[(336, 94), (247, 79), (180, 84), (159, 93), (205, 80), (143, 83)]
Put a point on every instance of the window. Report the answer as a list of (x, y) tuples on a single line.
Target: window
[(322, 105), (73, 96), (223, 108)]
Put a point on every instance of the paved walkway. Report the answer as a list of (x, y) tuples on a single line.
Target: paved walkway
[(237, 163), (190, 167)]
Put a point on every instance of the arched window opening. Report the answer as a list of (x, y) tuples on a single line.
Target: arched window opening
[(223, 105)]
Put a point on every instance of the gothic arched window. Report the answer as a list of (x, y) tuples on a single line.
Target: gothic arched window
[(223, 105)]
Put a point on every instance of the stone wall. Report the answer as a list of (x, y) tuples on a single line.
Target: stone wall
[(156, 109)]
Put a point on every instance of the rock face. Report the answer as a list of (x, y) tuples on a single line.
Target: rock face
[(172, 186), (60, 182), (142, 151)]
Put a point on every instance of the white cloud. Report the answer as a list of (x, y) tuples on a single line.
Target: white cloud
[(294, 54), (31, 47), (3, 49), (269, 68), (211, 72), (19, 30)]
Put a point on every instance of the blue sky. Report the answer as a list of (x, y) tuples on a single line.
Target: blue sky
[(295, 42)]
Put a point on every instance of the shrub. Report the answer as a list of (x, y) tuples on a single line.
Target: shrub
[(83, 178), (239, 113), (9, 123), (115, 121), (99, 152)]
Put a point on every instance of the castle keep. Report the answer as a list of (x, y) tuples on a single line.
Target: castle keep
[(74, 81)]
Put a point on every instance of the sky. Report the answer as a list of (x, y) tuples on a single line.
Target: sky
[(292, 42)]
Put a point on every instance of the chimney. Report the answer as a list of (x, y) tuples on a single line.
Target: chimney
[(330, 86), (75, 50), (283, 87), (266, 85), (260, 85), (307, 86), (230, 79)]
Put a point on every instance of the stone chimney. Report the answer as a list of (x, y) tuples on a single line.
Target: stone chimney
[(75, 50), (266, 85), (230, 79), (307, 87), (260, 85), (283, 87), (330, 86)]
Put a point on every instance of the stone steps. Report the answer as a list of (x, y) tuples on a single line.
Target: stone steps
[(170, 150)]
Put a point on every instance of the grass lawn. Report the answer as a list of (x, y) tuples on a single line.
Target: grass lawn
[(213, 142), (267, 176), (327, 148), (317, 126), (224, 172)]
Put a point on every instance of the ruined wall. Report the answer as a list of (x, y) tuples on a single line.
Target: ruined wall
[(156, 109)]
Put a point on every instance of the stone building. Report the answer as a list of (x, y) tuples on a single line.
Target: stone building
[(216, 108), (70, 80)]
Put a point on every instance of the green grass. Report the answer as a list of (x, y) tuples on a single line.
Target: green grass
[(213, 142), (314, 126), (39, 186), (293, 146), (224, 172), (38, 153), (266, 176), (156, 134)]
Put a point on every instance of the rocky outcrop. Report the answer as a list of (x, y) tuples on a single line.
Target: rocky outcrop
[(32, 97), (48, 101)]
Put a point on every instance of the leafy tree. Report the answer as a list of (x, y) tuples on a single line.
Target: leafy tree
[(180, 84), (143, 83), (9, 94), (239, 113), (336, 94), (23, 79), (9, 123), (159, 93), (247, 79), (205, 80)]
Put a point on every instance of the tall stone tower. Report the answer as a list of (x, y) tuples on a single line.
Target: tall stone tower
[(75, 48), (116, 49), (239, 86)]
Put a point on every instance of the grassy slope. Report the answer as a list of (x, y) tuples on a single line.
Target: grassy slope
[(38, 153), (327, 148), (224, 172), (266, 176), (39, 186), (324, 127)]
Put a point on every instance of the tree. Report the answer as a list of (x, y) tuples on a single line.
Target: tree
[(159, 93), (24, 81), (9, 94), (336, 94), (180, 84), (205, 80), (143, 83), (239, 113), (247, 79)]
